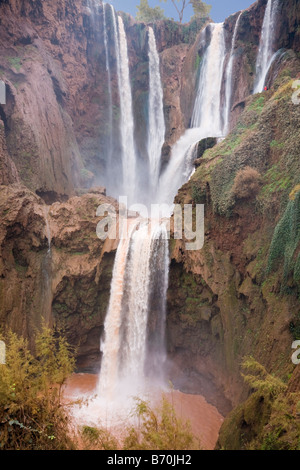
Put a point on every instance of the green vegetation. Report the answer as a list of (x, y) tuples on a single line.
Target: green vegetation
[(32, 416), (147, 14), (159, 429), (198, 193), (246, 183), (268, 419), (285, 240), (295, 328), (201, 9), (258, 104), (259, 379), (274, 155), (15, 62), (97, 439)]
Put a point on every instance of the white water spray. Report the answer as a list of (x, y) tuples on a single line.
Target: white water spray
[(228, 84), (125, 345), (206, 120), (207, 108), (156, 130), (126, 117), (266, 45)]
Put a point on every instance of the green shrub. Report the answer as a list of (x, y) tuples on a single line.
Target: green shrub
[(246, 183), (285, 239), (198, 193), (159, 429), (32, 416), (259, 379), (98, 439)]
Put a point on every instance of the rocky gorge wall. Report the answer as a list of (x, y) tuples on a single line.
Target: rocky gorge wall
[(239, 295), (63, 280), (53, 132)]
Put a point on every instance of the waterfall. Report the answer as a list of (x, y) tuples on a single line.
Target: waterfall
[(133, 347), (141, 256), (108, 71), (156, 129), (180, 167), (266, 45), (228, 84), (126, 112), (206, 119), (134, 328), (111, 345), (207, 109)]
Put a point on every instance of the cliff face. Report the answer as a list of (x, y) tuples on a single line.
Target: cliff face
[(239, 295), (54, 268), (40, 60)]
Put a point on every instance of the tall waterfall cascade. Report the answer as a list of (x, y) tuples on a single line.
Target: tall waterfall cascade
[(207, 114), (228, 79), (206, 118), (266, 46), (156, 128), (133, 345), (126, 118)]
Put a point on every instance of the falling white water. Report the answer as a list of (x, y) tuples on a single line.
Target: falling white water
[(111, 345), (126, 117), (156, 129), (266, 45), (180, 166), (206, 120), (156, 353), (125, 345), (110, 113), (228, 84), (207, 108)]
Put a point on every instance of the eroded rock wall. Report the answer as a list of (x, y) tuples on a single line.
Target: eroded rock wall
[(54, 268)]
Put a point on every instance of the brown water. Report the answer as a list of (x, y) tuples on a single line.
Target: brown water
[(204, 418)]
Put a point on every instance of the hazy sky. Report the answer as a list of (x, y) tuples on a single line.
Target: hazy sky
[(220, 8)]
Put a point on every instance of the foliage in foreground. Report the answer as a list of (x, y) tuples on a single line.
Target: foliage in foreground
[(159, 429), (268, 419), (156, 429), (32, 416)]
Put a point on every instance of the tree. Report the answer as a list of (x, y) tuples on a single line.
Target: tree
[(201, 9), (148, 14), (159, 429), (32, 416)]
